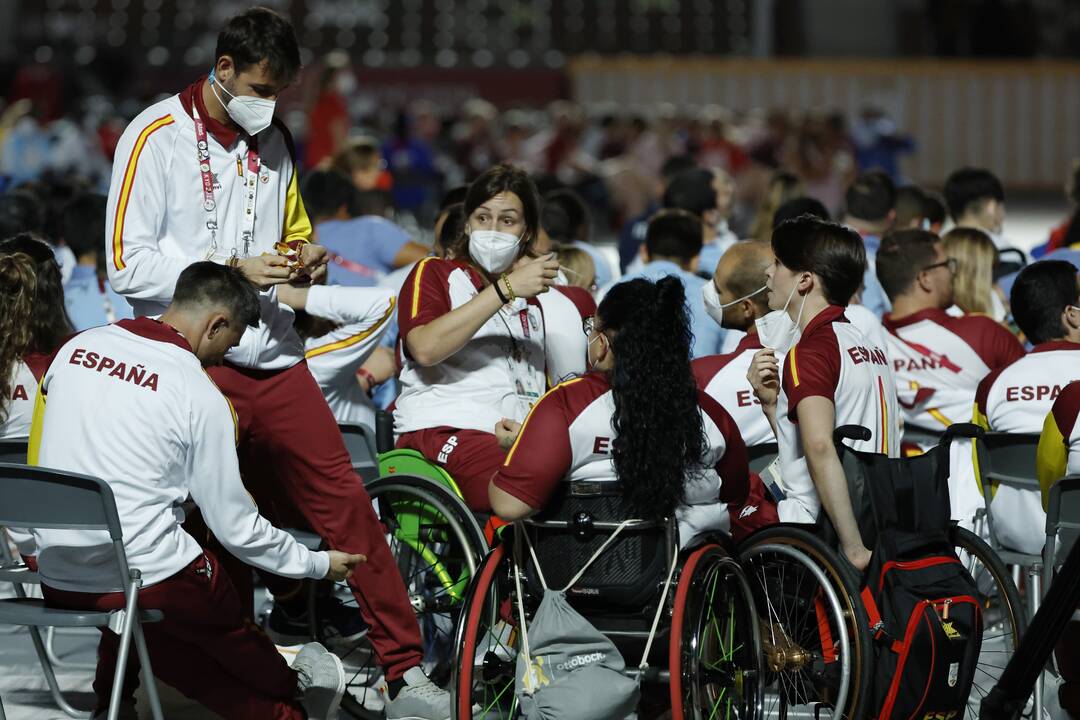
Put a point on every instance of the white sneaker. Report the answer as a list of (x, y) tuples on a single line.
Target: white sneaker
[(320, 678), (420, 699)]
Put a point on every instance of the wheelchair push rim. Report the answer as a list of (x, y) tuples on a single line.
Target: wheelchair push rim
[(715, 656)]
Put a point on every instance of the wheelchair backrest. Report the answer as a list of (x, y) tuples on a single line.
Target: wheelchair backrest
[(909, 494), (582, 515)]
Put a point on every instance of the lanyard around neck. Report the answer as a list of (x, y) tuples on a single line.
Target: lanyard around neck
[(251, 183)]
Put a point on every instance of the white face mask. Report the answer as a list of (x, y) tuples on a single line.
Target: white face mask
[(777, 330), (253, 114), (711, 298), (493, 250)]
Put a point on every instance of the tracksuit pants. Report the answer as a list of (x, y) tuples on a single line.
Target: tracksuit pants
[(290, 448), (206, 647)]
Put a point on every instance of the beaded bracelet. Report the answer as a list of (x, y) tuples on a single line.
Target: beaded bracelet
[(509, 288)]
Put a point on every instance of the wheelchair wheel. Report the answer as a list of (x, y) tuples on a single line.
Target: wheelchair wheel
[(715, 657), (437, 545), (486, 646), (1004, 621), (815, 631)]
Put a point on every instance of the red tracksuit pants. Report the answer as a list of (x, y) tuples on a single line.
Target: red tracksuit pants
[(206, 647), (291, 449)]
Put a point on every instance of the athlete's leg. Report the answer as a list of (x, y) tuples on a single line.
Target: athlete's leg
[(470, 456), (204, 647), (298, 444)]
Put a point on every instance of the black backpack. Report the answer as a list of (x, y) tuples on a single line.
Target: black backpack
[(920, 599)]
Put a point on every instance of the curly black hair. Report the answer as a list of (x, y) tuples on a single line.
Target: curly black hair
[(659, 439)]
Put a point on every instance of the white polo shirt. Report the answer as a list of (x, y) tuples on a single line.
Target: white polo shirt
[(832, 360), (1016, 399), (565, 343), (362, 315), (24, 390), (723, 378), (1059, 446), (130, 403), (498, 373), (939, 360), (156, 219), (568, 437)]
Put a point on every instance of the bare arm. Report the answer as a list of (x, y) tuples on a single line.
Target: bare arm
[(506, 506), (437, 340), (817, 417), (409, 253), (764, 377)]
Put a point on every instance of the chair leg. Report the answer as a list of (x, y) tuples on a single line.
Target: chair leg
[(50, 677), (1034, 600), (148, 672), (54, 657), (130, 619)]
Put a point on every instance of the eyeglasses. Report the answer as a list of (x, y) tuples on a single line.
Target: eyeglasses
[(950, 263), (588, 325)]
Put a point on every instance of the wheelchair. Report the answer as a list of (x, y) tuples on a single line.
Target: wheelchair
[(436, 541), (817, 642), (707, 644)]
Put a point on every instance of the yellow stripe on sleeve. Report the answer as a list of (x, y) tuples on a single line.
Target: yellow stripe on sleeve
[(794, 367), (521, 433), (416, 287), (125, 188), (297, 225), (33, 449), (352, 339), (1052, 457)]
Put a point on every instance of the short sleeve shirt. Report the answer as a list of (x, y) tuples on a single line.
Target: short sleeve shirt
[(834, 360), (499, 373), (569, 434), (362, 249), (723, 378)]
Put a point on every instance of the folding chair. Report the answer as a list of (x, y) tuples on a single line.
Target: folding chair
[(360, 442), (1062, 527), (50, 499), (1008, 459), (14, 451)]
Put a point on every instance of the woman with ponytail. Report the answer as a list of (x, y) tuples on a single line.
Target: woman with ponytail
[(32, 326), (637, 417)]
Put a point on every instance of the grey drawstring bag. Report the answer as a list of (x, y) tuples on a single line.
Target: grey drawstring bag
[(567, 668)]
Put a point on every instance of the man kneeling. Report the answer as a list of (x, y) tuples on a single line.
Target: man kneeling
[(130, 403)]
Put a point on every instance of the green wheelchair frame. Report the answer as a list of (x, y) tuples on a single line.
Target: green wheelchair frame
[(415, 519)]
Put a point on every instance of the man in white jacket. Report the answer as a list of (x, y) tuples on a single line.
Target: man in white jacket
[(131, 404), (209, 174)]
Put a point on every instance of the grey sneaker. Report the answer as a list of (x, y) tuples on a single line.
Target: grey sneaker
[(420, 699), (320, 679)]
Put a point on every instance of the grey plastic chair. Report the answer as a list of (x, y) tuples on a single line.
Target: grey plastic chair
[(50, 499), (360, 442), (1009, 459), (1062, 525)]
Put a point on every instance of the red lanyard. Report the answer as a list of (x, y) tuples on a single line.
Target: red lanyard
[(254, 163)]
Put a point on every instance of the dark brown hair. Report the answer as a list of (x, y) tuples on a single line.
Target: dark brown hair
[(495, 180), (831, 251)]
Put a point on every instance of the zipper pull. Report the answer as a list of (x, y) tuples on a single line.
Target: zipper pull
[(945, 609)]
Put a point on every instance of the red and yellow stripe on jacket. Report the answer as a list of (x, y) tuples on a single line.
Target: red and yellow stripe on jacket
[(125, 187)]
